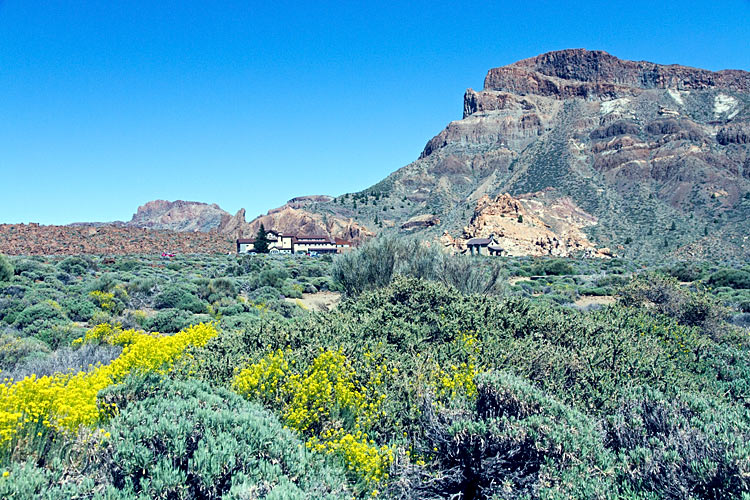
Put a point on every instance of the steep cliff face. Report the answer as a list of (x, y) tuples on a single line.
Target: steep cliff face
[(635, 144)]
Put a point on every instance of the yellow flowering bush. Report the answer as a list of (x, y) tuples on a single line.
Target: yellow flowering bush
[(264, 379), (458, 380), (327, 402), (105, 300), (66, 401), (113, 334)]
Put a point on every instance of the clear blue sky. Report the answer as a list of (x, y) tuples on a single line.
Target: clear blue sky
[(108, 104)]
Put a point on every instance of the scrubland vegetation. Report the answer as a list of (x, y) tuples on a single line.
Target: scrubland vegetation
[(435, 377)]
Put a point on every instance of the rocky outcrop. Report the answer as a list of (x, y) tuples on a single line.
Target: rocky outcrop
[(736, 133), (178, 216), (420, 222), (531, 224), (588, 74), (303, 201)]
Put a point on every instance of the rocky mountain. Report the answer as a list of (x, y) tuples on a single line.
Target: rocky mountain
[(649, 160), (291, 218), (178, 216), (295, 218), (657, 155)]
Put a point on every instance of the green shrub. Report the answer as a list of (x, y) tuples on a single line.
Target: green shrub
[(38, 313), (376, 263), (554, 267), (685, 271), (76, 266), (6, 269), (177, 297), (27, 480), (666, 296), (733, 278), (683, 447), (79, 309), (187, 440), (516, 443), (15, 350), (170, 321)]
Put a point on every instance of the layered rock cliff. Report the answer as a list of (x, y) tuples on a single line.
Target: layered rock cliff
[(635, 144)]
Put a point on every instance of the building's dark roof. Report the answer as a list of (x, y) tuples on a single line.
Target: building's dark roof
[(244, 240), (314, 241), (314, 237), (496, 248), (339, 241), (479, 241)]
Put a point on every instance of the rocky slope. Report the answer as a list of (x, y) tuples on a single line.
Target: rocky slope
[(178, 216), (35, 239), (636, 145), (296, 218), (537, 224)]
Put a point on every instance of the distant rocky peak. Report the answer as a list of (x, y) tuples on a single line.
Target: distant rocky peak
[(178, 215)]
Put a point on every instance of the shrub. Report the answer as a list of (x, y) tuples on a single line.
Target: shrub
[(680, 447), (6, 269), (27, 480), (15, 350), (66, 360), (370, 266), (170, 320), (666, 296), (685, 271), (470, 275), (554, 267), (264, 294), (79, 309), (733, 278), (177, 297), (516, 443), (376, 263), (34, 318), (188, 440), (76, 266), (66, 402)]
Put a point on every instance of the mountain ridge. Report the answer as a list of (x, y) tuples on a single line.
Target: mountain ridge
[(658, 155)]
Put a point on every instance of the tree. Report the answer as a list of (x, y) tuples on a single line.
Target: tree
[(520, 219), (261, 240), (673, 226)]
